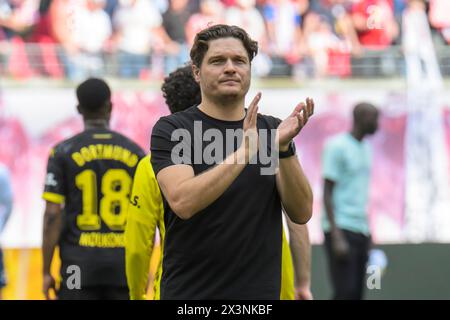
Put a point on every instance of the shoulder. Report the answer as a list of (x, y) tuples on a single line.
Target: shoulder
[(144, 167), (66, 145), (127, 142), (339, 139), (180, 119), (144, 172), (336, 142), (368, 148), (270, 121), (144, 182)]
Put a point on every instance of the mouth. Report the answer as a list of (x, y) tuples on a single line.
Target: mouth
[(230, 81)]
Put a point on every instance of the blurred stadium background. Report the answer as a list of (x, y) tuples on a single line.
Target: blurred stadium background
[(393, 53)]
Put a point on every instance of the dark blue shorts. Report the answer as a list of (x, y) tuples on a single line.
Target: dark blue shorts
[(2, 271)]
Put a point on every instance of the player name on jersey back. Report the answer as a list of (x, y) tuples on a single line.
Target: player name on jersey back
[(104, 152)]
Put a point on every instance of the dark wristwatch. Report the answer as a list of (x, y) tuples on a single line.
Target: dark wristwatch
[(289, 152)]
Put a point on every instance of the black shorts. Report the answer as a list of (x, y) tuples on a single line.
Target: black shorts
[(94, 293)]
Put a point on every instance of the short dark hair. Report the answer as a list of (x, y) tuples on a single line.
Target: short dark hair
[(361, 109), (93, 94), (200, 46), (180, 89)]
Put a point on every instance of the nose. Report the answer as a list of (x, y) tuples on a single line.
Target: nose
[(229, 67)]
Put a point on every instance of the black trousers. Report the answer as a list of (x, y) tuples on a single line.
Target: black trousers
[(348, 275), (94, 293)]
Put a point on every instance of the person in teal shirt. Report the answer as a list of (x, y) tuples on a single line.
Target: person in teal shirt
[(346, 166)]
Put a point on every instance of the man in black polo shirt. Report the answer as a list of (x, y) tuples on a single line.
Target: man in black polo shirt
[(223, 210)]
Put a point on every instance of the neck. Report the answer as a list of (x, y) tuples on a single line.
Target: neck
[(357, 134), (223, 109), (96, 124)]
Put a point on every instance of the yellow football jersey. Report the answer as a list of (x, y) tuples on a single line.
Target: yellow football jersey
[(145, 214), (287, 272)]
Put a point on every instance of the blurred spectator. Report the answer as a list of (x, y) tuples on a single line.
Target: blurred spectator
[(320, 41), (19, 16), (43, 53), (440, 17), (283, 25), (283, 21), (174, 22), (62, 19), (245, 15), (422, 67), (92, 29), (210, 14), (375, 23), (42, 31), (328, 37), (136, 24), (377, 29), (336, 13), (82, 28)]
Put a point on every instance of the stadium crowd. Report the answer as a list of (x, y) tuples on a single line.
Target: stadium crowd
[(150, 38)]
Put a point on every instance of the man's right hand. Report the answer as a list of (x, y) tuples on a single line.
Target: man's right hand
[(339, 244), (48, 284), (251, 140)]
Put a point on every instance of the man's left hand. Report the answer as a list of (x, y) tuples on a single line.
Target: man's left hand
[(293, 124)]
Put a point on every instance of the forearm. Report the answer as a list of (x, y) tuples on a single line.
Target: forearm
[(198, 192), (301, 253), (52, 227), (330, 213), (328, 202), (295, 191)]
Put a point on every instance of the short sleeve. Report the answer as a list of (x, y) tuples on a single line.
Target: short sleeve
[(170, 145), (54, 180), (272, 122), (276, 122), (331, 161), (146, 200)]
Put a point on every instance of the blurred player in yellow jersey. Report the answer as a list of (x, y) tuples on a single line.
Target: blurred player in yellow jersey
[(146, 213)]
